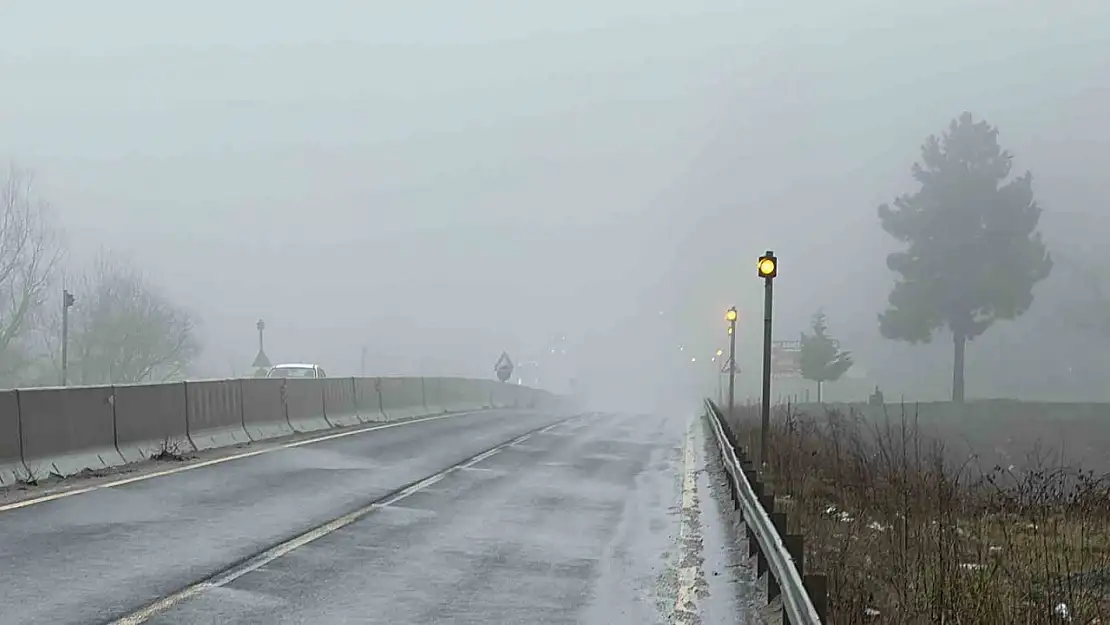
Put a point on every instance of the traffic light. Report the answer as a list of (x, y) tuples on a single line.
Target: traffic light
[(730, 314), (68, 299), (768, 265)]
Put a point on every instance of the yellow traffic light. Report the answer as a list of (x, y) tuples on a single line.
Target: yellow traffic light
[(768, 265), (730, 315)]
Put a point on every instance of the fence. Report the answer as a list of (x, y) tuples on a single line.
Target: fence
[(779, 555), (64, 431)]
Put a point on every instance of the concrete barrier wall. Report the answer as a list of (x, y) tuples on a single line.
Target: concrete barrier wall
[(11, 450), (151, 419), (304, 405), (368, 399), (461, 395), (481, 391), (66, 431), (214, 412), (504, 395), (433, 395), (520, 396), (403, 398), (264, 413), (339, 402)]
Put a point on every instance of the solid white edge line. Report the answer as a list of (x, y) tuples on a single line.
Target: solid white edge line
[(687, 575), (273, 553), (207, 463)]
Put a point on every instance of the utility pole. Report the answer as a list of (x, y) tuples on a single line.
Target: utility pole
[(67, 302), (768, 269), (362, 362), (730, 316)]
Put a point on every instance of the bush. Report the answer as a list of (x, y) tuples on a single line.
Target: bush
[(908, 532)]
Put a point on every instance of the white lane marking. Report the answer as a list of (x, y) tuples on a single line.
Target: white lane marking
[(685, 600), (207, 463), (277, 551)]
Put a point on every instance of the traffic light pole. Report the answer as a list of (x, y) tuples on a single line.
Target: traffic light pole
[(765, 415), (731, 367)]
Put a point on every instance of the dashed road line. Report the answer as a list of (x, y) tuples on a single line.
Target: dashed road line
[(207, 463), (273, 553)]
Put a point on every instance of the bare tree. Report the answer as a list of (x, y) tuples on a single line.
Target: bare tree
[(29, 254), (124, 330)]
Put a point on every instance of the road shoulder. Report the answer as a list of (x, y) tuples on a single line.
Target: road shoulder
[(735, 594)]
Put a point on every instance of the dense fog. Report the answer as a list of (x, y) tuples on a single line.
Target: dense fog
[(401, 188)]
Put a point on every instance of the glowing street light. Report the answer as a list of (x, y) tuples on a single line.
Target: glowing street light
[(768, 268), (768, 265), (730, 316)]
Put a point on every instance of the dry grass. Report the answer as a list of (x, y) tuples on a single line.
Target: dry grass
[(908, 533)]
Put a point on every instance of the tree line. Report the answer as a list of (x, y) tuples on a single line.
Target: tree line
[(972, 251), (122, 328)]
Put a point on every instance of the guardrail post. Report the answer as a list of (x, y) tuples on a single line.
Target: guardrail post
[(778, 519), (760, 561), (817, 587), (768, 503), (804, 597), (795, 545), (753, 478)]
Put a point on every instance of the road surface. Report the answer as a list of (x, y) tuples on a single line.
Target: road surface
[(497, 517)]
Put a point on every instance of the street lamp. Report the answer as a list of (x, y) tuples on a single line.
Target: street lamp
[(730, 317), (768, 269), (768, 265), (68, 300)]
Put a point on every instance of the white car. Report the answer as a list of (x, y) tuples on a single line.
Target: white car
[(296, 370)]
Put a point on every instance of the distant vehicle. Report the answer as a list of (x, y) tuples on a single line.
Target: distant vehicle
[(296, 370)]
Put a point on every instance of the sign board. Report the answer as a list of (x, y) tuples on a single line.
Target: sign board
[(504, 367), (730, 364), (786, 359)]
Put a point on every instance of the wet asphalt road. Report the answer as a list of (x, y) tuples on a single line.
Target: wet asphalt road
[(576, 524)]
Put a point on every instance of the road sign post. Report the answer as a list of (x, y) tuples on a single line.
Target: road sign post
[(503, 367)]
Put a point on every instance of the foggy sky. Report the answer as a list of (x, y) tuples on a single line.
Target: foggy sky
[(439, 181)]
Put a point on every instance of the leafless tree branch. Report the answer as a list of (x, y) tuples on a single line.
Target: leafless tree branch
[(29, 254), (123, 330)]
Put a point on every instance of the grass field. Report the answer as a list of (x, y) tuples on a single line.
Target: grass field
[(912, 528)]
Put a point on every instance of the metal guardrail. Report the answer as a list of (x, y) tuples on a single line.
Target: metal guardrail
[(780, 555)]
